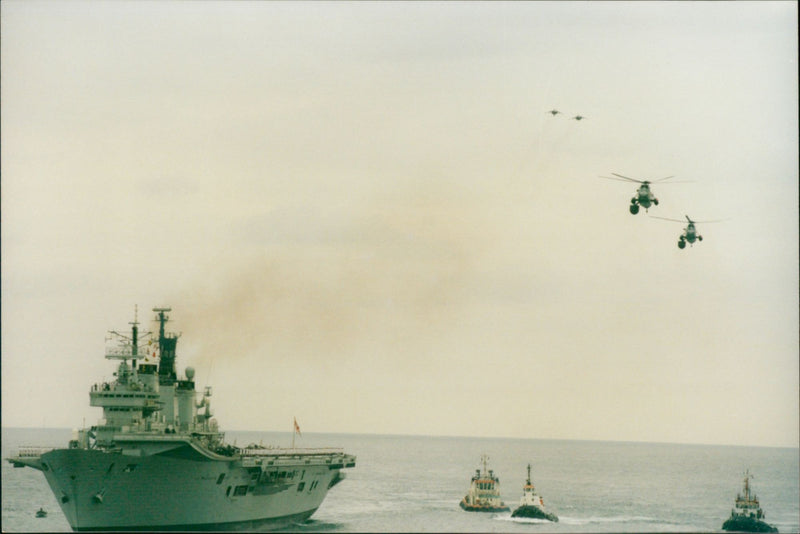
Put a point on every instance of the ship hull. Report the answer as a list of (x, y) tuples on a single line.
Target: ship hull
[(747, 524), (113, 491), (534, 512), (236, 526), (470, 508)]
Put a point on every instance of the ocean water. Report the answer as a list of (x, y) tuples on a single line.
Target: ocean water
[(414, 484)]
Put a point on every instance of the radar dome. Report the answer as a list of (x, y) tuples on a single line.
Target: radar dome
[(190, 373)]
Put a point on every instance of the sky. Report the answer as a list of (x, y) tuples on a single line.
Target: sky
[(363, 216)]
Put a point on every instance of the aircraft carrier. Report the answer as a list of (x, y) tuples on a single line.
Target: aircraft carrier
[(158, 461)]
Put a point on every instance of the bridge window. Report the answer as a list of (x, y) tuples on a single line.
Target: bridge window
[(240, 490), (301, 486), (221, 478)]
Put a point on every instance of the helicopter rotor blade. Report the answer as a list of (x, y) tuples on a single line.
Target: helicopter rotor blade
[(708, 222), (629, 179), (665, 218), (615, 179), (687, 218), (660, 181)]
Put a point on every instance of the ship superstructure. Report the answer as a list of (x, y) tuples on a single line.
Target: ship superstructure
[(484, 492), (747, 515), (531, 503), (158, 461)]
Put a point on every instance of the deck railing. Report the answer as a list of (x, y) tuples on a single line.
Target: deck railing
[(273, 451), (29, 451)]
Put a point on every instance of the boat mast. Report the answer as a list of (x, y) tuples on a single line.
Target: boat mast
[(135, 332), (129, 345), (747, 476)]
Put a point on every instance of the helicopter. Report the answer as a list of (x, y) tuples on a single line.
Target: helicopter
[(644, 196), (689, 233)]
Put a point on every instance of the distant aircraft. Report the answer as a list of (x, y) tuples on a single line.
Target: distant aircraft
[(689, 233), (554, 112), (578, 117)]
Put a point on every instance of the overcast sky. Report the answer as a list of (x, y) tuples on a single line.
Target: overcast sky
[(363, 215)]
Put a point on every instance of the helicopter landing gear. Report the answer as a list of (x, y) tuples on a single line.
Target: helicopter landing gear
[(681, 244), (634, 207)]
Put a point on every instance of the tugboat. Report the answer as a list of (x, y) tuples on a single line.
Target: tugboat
[(531, 503), (484, 492), (41, 512), (747, 516), (157, 459)]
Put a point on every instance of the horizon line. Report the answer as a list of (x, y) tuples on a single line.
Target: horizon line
[(440, 436)]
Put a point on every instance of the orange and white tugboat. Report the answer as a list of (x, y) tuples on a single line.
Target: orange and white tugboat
[(747, 516), (484, 492), (531, 503)]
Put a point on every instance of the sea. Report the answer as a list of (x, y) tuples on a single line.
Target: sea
[(414, 484)]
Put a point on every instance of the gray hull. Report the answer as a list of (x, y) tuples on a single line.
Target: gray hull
[(180, 491), (158, 461), (245, 526)]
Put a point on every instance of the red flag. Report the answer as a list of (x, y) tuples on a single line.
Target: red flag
[(297, 427)]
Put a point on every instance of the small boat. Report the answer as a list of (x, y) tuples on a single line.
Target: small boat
[(484, 492), (41, 513), (747, 515), (531, 503)]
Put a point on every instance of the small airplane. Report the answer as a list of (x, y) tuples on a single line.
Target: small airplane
[(644, 196), (554, 112), (578, 117), (689, 233)]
